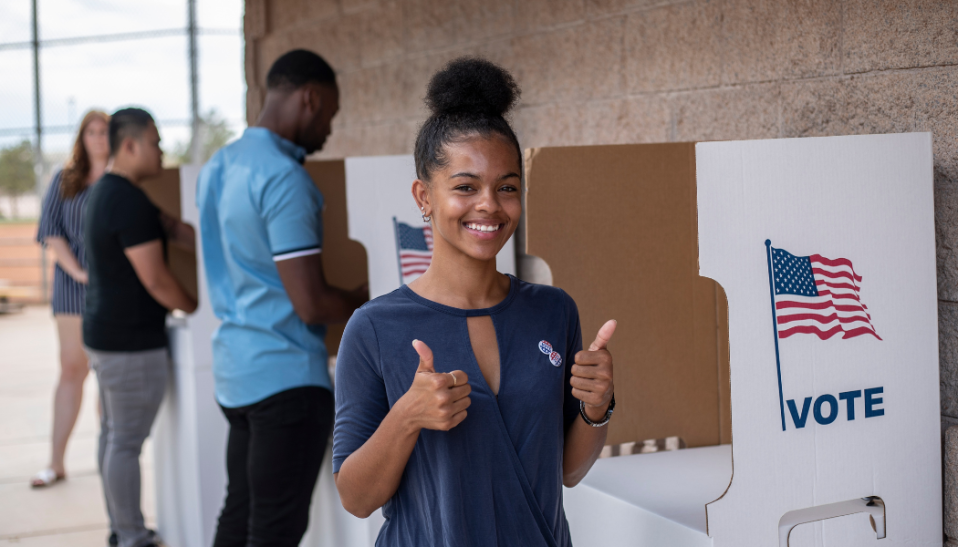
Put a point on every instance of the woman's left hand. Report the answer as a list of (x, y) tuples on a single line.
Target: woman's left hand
[(592, 374)]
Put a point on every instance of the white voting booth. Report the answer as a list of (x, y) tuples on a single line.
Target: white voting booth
[(836, 433), (834, 405)]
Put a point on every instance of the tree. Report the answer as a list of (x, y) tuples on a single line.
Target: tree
[(17, 176), (213, 134)]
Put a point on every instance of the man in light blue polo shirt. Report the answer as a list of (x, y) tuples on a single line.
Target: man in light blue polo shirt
[(262, 233)]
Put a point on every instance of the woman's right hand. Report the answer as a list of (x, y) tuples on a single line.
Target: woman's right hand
[(436, 400)]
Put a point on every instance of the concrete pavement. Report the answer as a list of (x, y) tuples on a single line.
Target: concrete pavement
[(70, 513)]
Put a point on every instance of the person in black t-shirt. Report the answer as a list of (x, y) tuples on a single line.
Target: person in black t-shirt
[(130, 290)]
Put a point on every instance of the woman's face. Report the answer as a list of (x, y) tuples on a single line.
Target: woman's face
[(474, 201), (96, 140)]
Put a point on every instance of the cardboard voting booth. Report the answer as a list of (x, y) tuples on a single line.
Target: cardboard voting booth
[(779, 295), (190, 431), (777, 311), (189, 435)]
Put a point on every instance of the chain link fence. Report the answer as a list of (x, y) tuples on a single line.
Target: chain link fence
[(106, 54)]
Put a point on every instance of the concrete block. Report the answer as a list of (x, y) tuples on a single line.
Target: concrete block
[(674, 47), (337, 40), (429, 24), (918, 101), (255, 95), (382, 35), (371, 94), (946, 234), (576, 63), (484, 20), (749, 112), (254, 19), (391, 137), (813, 108), (354, 6), (598, 8), (948, 358), (951, 484), (547, 125), (883, 34), (769, 40), (250, 64), (616, 121), (282, 14), (345, 140), (538, 14), (623, 121)]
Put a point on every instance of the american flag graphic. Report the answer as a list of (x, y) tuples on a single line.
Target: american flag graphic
[(819, 296), (414, 249)]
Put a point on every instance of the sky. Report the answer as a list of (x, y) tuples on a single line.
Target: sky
[(151, 73)]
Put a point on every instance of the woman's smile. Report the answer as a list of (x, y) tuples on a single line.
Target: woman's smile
[(483, 229)]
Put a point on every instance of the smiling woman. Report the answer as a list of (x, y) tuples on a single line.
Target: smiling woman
[(451, 415)]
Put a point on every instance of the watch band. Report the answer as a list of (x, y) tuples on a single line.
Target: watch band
[(605, 420)]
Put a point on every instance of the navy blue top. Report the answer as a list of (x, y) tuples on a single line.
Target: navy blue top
[(496, 478), (63, 217)]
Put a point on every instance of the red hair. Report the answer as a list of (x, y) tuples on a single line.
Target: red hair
[(77, 170)]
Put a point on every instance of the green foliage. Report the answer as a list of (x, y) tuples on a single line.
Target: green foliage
[(17, 176), (214, 133)]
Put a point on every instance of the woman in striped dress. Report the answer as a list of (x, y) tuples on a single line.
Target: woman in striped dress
[(61, 229)]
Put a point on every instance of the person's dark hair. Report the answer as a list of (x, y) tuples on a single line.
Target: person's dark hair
[(468, 97), (297, 68), (127, 122)]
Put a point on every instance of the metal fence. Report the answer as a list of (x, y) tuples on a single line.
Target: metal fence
[(180, 59)]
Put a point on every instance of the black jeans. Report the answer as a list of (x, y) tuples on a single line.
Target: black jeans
[(273, 455)]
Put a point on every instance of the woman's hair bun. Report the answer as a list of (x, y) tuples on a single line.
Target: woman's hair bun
[(472, 85)]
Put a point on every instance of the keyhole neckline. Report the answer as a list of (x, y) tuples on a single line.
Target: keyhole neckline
[(513, 290)]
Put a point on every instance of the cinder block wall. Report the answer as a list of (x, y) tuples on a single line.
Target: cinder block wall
[(625, 71)]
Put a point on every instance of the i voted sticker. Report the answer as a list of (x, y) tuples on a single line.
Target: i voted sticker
[(545, 347), (555, 359)]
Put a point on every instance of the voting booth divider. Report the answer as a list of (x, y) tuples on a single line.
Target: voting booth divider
[(810, 265), (776, 303)]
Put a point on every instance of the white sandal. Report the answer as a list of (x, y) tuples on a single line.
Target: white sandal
[(45, 478)]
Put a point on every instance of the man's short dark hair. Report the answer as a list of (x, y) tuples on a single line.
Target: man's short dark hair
[(298, 68), (127, 122)]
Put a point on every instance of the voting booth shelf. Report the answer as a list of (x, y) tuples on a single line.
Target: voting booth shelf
[(779, 295)]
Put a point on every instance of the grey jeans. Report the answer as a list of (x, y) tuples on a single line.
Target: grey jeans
[(131, 390)]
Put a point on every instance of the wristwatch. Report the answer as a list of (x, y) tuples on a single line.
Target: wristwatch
[(605, 420)]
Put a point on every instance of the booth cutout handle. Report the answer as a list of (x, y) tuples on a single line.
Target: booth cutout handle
[(873, 505)]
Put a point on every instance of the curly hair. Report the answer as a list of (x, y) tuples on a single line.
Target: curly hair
[(470, 96), (77, 169)]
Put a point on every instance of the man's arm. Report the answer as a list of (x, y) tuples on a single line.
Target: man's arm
[(147, 260), (314, 301)]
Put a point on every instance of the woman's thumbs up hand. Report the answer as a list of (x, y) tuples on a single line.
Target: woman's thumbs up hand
[(436, 400), (592, 374)]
